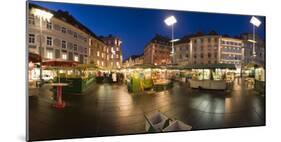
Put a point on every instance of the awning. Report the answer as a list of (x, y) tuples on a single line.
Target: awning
[(209, 66)]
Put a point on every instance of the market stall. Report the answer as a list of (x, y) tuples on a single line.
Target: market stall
[(211, 76), (146, 77)]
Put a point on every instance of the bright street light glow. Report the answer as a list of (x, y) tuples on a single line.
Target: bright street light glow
[(255, 21), (174, 40), (41, 14), (170, 20), (253, 41)]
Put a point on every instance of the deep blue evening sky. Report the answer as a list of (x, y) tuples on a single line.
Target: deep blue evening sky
[(136, 27)]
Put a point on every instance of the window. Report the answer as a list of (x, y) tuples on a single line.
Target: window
[(75, 47), (76, 58), (75, 35), (31, 19), (98, 62), (49, 41), (63, 44), (31, 38), (112, 56), (50, 54), (98, 53), (102, 63), (49, 25), (85, 50), (63, 29), (209, 40), (64, 56), (117, 49)]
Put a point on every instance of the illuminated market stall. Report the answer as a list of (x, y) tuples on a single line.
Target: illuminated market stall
[(146, 77), (210, 76)]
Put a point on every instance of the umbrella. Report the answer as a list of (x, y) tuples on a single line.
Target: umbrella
[(58, 63), (33, 57)]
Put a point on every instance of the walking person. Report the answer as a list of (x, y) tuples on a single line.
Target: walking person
[(114, 77)]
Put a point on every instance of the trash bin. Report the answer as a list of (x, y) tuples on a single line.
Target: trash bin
[(156, 122), (177, 126)]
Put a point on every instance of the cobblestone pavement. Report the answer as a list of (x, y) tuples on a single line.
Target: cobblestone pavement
[(108, 109)]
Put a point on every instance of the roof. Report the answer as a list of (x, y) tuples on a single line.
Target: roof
[(134, 57), (159, 39), (67, 17), (143, 66), (208, 66)]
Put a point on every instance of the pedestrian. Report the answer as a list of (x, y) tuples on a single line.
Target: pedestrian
[(114, 77)]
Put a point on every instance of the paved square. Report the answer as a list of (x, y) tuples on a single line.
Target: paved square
[(108, 109)]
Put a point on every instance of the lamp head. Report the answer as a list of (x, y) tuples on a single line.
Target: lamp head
[(170, 20), (41, 14), (255, 21)]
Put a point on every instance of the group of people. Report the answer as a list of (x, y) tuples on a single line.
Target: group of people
[(109, 77)]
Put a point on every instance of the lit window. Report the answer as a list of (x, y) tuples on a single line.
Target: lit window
[(117, 49), (49, 25), (98, 53), (76, 58), (112, 56), (107, 57), (31, 38), (112, 49), (102, 63), (64, 56), (102, 55), (63, 29), (98, 62), (49, 54), (31, 20), (49, 41), (117, 63), (63, 44)]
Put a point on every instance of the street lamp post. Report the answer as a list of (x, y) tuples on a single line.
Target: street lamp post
[(43, 16), (256, 22), (170, 21)]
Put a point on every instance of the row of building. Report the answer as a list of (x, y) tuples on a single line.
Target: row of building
[(202, 48), (64, 37)]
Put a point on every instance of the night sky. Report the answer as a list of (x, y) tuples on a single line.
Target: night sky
[(136, 27)]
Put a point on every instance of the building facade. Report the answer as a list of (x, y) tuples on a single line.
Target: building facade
[(99, 53), (209, 49), (259, 58), (158, 51), (113, 51), (133, 60), (63, 37)]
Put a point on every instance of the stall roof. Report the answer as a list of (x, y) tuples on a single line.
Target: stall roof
[(209, 66), (144, 66)]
